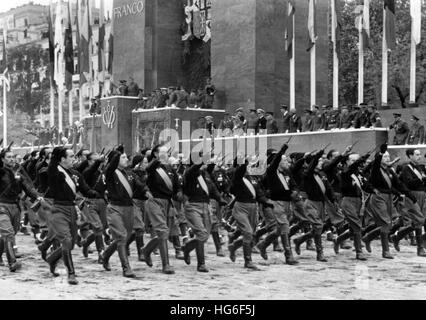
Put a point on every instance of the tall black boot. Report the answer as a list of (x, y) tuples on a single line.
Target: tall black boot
[(340, 239), (124, 259), (288, 254), (53, 259), (396, 238), (148, 249), (178, 248), (370, 236), (318, 245), (232, 248), (187, 248), (99, 247), (298, 241), (217, 244), (1, 252), (399, 223), (86, 243), (139, 246), (43, 247), (259, 233), (164, 253), (129, 242), (108, 253), (66, 255), (10, 254), (295, 228), (233, 236), (420, 249), (265, 243), (413, 240), (247, 257), (358, 247), (384, 237), (201, 263)]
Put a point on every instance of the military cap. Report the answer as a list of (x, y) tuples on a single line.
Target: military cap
[(239, 110), (260, 110), (308, 111), (316, 106), (284, 106), (397, 114), (252, 110), (415, 118), (269, 112), (163, 88), (356, 107), (123, 81), (208, 118), (328, 106), (363, 104)]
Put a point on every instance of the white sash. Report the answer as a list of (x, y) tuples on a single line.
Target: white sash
[(386, 177), (250, 187), (124, 182), (283, 180), (320, 183), (165, 178), (416, 172), (68, 179), (356, 180), (203, 184)]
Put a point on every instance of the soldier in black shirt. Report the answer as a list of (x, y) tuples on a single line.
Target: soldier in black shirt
[(11, 185), (282, 188), (64, 183)]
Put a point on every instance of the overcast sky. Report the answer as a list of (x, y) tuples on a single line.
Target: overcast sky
[(7, 5)]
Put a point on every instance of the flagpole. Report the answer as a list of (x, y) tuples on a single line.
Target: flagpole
[(361, 66), (412, 70), (313, 75), (52, 106), (4, 114), (60, 109), (292, 68), (335, 58), (70, 107), (384, 64)]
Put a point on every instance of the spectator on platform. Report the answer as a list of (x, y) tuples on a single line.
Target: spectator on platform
[(295, 123), (200, 98), (285, 119), (164, 96), (123, 89), (141, 94), (375, 119), (133, 88), (182, 100), (172, 97), (318, 118), (271, 123), (345, 118), (401, 130), (332, 118), (193, 99), (226, 126), (252, 121), (209, 93), (308, 123), (210, 125), (417, 131), (238, 129), (240, 113), (261, 122)]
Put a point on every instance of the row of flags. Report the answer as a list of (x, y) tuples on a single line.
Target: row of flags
[(362, 21), (61, 49)]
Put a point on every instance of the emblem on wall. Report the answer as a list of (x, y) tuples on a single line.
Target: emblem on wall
[(109, 116)]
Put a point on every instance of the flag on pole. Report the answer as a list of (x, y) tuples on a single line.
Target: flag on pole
[(416, 20), (59, 75), (312, 27), (51, 45), (289, 29), (101, 44), (85, 35), (390, 24), (111, 50), (69, 51), (366, 24), (337, 27)]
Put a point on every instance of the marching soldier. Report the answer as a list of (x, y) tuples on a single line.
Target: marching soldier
[(121, 186), (11, 185), (199, 189), (163, 185), (64, 182), (282, 190), (247, 192)]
